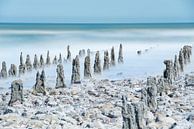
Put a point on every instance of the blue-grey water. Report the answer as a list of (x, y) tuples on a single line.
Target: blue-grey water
[(162, 41)]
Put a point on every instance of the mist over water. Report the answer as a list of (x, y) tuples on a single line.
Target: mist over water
[(160, 44)]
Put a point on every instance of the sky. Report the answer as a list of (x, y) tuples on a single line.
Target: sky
[(96, 11)]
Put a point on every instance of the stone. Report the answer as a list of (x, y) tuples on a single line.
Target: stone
[(120, 58), (60, 81), (60, 59), (4, 70), (39, 86), (87, 67), (139, 52), (169, 71), (16, 92), (97, 63), (133, 115), (75, 77), (112, 57), (35, 63), (41, 61), (82, 52), (151, 93), (106, 61), (68, 53), (22, 67), (55, 60), (48, 60), (88, 52), (13, 70), (28, 63), (176, 67), (187, 51), (181, 60)]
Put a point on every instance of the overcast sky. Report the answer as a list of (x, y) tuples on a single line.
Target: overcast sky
[(95, 11)]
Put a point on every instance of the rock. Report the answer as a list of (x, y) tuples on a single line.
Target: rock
[(41, 61), (60, 81), (16, 92), (55, 60), (21, 66), (189, 80), (48, 60), (88, 52), (75, 77), (7, 111), (60, 59), (87, 67), (161, 86), (112, 57), (82, 53), (139, 52), (106, 61), (13, 70), (176, 67), (28, 63), (93, 93), (68, 53), (120, 58), (187, 51), (4, 70), (97, 63), (132, 114), (39, 86), (169, 71), (181, 60), (35, 63), (151, 93)]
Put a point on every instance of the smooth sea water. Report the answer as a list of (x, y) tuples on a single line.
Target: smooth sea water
[(157, 42)]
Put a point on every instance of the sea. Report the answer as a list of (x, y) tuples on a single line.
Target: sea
[(156, 41)]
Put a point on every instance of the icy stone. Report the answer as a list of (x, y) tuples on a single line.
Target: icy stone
[(39, 86), (120, 58), (112, 57), (87, 67), (13, 70), (75, 77), (181, 60), (133, 115), (60, 59), (41, 61), (21, 66), (28, 63), (106, 61), (60, 81), (151, 93), (16, 92), (35, 63), (4, 70), (48, 60), (68, 53), (169, 71), (97, 63), (55, 60), (176, 67)]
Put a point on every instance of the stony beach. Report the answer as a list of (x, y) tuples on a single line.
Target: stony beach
[(158, 102)]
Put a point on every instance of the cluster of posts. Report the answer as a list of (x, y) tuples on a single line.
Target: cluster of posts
[(134, 113), (40, 87)]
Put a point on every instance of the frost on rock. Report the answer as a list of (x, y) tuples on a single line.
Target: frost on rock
[(16, 92), (87, 67), (60, 81), (13, 70), (106, 61), (39, 86), (4, 70), (75, 77), (97, 63)]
